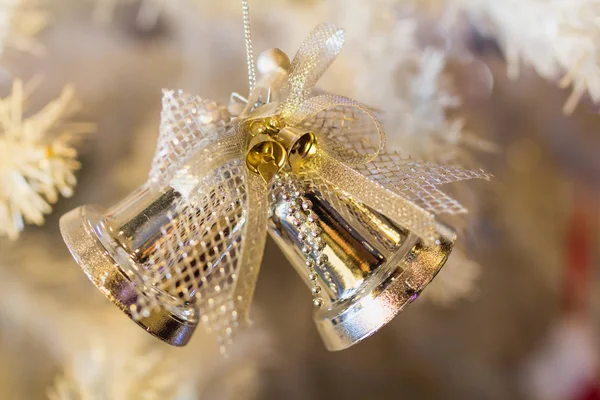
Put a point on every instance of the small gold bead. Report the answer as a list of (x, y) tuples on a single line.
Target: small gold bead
[(273, 125), (257, 128), (318, 302)]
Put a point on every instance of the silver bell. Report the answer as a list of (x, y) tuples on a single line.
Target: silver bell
[(373, 269), (113, 246)]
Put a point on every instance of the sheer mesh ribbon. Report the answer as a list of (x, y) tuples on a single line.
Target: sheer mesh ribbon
[(315, 55), (215, 236)]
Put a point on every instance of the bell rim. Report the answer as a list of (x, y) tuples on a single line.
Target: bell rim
[(367, 314), (113, 282)]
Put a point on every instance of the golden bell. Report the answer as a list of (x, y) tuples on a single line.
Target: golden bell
[(374, 267), (265, 157)]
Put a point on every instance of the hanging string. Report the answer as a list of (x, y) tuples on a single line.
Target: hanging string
[(249, 47)]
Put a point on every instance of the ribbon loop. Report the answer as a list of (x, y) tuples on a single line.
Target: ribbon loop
[(346, 129), (189, 125), (313, 58)]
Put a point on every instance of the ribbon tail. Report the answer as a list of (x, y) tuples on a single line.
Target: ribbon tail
[(252, 246), (418, 182), (208, 246), (400, 210)]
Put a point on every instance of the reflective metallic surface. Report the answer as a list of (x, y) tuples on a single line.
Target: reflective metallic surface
[(375, 268), (112, 247)]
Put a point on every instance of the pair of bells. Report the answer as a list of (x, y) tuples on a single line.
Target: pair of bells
[(375, 268), (273, 146)]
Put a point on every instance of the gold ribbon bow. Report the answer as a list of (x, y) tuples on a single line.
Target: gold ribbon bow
[(347, 134), (221, 167)]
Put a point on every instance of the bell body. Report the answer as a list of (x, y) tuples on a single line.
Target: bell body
[(113, 249), (374, 269)]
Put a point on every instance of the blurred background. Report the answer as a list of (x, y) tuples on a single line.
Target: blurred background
[(508, 86)]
